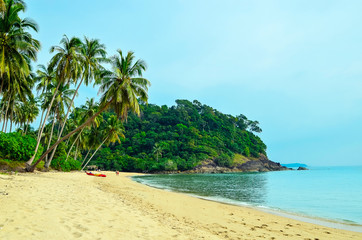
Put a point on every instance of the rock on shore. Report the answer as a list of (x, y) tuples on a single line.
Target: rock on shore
[(261, 164)]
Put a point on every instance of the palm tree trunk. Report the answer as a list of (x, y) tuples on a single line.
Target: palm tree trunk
[(41, 123), (28, 163), (41, 119), (66, 116), (73, 144), (100, 145), (76, 151), (6, 125), (58, 127), (86, 156), (66, 144), (6, 115), (11, 121), (31, 168), (2, 115), (26, 127), (1, 87), (50, 140)]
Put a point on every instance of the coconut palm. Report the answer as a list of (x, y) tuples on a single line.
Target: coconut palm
[(92, 139), (45, 75), (19, 91), (66, 63), (27, 113), (86, 111), (92, 53), (157, 150), (121, 90), (17, 46), (62, 101), (113, 131), (2, 6)]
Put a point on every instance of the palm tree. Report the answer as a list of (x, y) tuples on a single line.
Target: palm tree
[(157, 149), (86, 111), (67, 68), (28, 111), (19, 91), (2, 6), (17, 46), (92, 53), (92, 138), (113, 131), (62, 101), (122, 89), (45, 75)]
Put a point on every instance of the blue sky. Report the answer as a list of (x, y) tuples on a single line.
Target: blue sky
[(295, 66)]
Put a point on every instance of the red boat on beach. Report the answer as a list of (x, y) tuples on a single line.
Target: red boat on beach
[(96, 174)]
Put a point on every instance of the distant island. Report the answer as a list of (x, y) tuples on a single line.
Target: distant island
[(294, 165)]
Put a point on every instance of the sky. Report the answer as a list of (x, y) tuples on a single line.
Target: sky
[(294, 66)]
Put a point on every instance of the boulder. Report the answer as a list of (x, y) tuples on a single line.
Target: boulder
[(302, 168)]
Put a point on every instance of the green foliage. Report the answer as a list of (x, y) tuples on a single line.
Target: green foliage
[(224, 160), (61, 150), (14, 146), (6, 164), (170, 165), (246, 152), (61, 164), (179, 138)]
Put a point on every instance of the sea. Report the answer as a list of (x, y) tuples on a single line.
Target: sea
[(330, 196)]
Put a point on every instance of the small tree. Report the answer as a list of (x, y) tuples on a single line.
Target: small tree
[(157, 150)]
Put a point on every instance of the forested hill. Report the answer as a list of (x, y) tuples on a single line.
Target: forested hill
[(179, 138)]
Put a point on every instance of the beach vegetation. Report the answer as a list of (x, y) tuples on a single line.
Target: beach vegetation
[(121, 88), (17, 147), (60, 163)]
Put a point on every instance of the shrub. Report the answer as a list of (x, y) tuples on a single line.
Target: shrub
[(6, 164), (14, 146), (223, 160), (170, 165), (246, 152), (66, 166)]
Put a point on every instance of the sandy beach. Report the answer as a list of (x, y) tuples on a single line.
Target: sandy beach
[(59, 205)]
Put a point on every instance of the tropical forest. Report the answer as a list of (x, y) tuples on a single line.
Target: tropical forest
[(119, 131)]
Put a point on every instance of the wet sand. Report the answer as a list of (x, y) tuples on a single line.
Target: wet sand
[(76, 206)]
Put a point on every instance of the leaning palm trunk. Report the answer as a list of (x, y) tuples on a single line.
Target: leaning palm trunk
[(6, 125), (76, 151), (6, 116), (51, 136), (31, 168), (73, 144), (65, 120), (40, 124), (86, 156), (2, 116), (28, 163), (100, 145), (11, 121), (1, 87), (26, 127)]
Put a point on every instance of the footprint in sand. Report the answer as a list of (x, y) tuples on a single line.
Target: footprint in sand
[(81, 228), (77, 234)]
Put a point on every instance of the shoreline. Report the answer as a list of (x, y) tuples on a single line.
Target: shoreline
[(74, 205), (278, 212)]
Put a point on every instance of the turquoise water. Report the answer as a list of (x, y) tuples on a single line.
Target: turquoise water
[(331, 193)]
